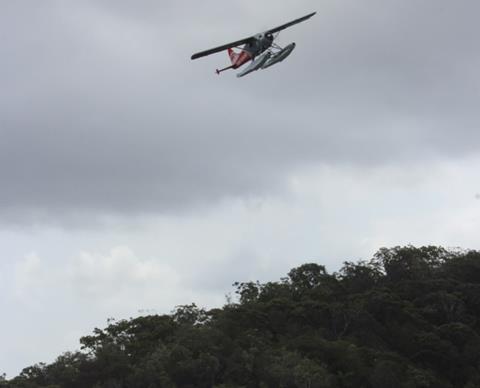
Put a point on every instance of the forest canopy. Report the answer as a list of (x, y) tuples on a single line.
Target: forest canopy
[(407, 318)]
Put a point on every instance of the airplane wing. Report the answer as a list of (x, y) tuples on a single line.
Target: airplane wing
[(250, 38), (296, 21), (222, 48)]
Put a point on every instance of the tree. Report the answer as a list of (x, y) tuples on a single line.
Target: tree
[(408, 318)]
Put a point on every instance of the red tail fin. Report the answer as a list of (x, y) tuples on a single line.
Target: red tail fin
[(233, 55)]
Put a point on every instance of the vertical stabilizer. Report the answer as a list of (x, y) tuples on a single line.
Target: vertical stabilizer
[(233, 55)]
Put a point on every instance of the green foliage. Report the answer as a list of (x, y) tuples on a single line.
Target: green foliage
[(408, 318)]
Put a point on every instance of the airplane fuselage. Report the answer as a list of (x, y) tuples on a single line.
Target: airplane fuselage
[(260, 44)]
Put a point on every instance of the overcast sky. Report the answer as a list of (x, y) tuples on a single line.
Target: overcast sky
[(133, 179)]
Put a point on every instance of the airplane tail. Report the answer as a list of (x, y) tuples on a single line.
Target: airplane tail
[(233, 55)]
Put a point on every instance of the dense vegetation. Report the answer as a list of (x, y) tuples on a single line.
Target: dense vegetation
[(408, 318)]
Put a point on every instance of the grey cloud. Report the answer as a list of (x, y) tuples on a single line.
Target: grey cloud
[(103, 112)]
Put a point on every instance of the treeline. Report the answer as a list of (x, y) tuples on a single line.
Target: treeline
[(408, 318)]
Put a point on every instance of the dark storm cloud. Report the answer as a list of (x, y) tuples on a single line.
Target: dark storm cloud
[(102, 111)]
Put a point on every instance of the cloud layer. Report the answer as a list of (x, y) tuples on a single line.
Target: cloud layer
[(103, 113)]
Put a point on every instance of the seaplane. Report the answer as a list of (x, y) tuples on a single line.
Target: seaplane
[(260, 50)]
